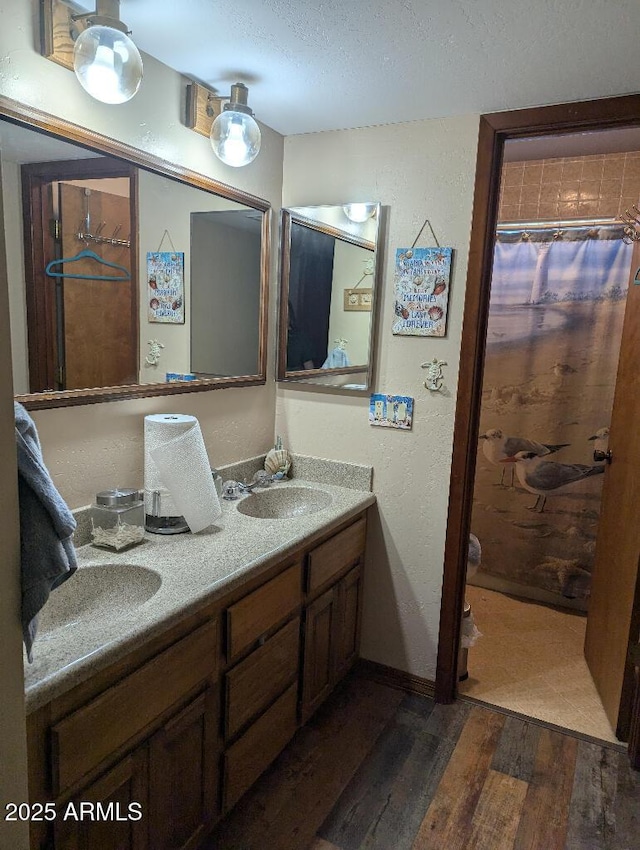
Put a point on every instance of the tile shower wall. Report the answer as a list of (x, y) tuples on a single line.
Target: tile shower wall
[(600, 186)]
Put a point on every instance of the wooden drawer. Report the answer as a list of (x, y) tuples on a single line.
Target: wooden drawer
[(254, 683), (263, 609), (83, 739), (259, 746), (338, 553)]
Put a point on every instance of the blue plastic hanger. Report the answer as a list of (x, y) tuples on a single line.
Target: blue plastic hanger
[(91, 255)]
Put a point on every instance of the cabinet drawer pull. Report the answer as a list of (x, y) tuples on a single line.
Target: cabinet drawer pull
[(259, 612)]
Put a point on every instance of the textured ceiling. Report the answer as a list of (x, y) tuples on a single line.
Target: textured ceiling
[(329, 64)]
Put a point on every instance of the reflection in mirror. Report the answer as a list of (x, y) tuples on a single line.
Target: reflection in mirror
[(124, 281), (327, 300)]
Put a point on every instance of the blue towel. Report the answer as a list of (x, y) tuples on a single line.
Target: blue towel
[(337, 358), (47, 553)]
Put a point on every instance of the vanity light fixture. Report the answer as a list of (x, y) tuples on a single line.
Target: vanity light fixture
[(96, 45), (359, 212), (234, 133)]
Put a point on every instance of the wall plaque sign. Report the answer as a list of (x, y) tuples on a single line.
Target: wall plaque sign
[(422, 278)]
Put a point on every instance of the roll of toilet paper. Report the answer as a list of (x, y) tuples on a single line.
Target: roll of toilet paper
[(176, 464)]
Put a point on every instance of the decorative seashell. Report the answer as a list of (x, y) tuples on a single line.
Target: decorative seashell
[(278, 462)]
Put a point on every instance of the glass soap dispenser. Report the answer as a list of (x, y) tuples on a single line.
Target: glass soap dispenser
[(117, 519)]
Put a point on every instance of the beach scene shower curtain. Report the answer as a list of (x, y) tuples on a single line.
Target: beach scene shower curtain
[(553, 340)]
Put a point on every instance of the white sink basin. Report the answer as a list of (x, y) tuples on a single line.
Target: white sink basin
[(95, 593), (285, 503)]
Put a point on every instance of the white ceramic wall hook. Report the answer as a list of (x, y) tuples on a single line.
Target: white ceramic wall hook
[(155, 350), (434, 374)]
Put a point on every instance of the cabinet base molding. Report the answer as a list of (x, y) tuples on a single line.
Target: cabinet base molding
[(395, 678)]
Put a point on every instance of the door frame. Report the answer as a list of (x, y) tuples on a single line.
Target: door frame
[(39, 249), (495, 129)]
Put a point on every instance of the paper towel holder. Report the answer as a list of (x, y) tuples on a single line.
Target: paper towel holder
[(155, 523)]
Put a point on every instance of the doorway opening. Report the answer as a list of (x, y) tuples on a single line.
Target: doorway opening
[(80, 274), (559, 284), (496, 132)]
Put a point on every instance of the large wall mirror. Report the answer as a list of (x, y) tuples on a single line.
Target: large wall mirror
[(127, 276), (328, 271)]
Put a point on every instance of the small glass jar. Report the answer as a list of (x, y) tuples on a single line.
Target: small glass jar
[(117, 519), (217, 480)]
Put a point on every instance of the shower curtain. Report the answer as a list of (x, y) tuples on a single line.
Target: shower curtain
[(553, 339)]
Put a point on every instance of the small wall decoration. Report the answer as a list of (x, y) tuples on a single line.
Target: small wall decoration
[(435, 376), (173, 377), (391, 411), (357, 299), (422, 279), (165, 279), (155, 352)]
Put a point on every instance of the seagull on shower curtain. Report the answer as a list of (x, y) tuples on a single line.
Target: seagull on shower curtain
[(497, 447), (544, 477)]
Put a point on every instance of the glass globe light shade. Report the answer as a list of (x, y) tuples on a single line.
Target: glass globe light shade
[(358, 212), (107, 64), (235, 138)]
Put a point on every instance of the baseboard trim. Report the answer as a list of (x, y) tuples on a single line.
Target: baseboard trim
[(395, 678)]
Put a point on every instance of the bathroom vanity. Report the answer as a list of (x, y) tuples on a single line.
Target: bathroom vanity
[(192, 694)]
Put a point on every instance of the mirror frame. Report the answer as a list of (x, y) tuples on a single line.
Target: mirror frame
[(35, 119), (289, 217)]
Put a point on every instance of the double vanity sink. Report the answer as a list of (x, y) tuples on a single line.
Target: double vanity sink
[(115, 601), (106, 591), (191, 660)]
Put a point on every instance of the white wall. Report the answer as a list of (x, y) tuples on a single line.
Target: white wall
[(166, 205), (349, 263), (13, 749), (91, 447), (418, 170), (225, 260)]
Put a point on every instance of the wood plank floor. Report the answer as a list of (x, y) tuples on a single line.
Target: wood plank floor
[(377, 769)]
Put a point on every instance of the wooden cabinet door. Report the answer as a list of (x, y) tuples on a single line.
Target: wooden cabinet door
[(613, 624), (112, 814), (318, 672), (183, 776), (348, 622)]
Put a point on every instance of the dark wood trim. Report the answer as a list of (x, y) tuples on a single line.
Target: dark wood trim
[(37, 209), (629, 717), (494, 130), (265, 274), (69, 398), (36, 119), (283, 289), (134, 260), (39, 249), (394, 678)]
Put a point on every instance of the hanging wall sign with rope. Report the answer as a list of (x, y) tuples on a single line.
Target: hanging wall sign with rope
[(422, 279)]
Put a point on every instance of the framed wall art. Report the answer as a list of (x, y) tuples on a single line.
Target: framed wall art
[(421, 282), (165, 287)]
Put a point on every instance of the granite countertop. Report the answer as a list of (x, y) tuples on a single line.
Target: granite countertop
[(191, 570)]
